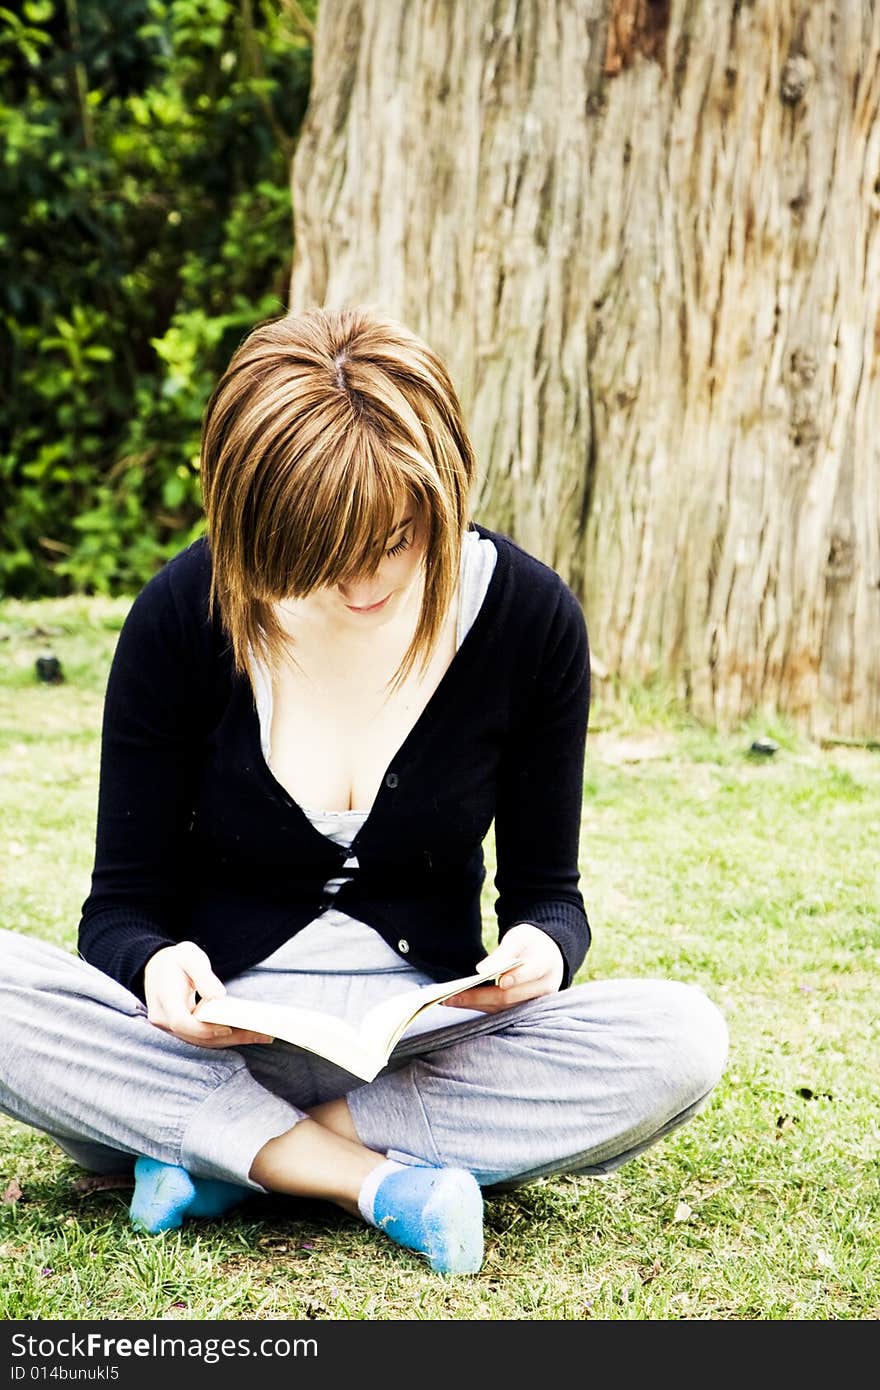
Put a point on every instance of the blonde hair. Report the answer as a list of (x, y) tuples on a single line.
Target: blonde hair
[(322, 424)]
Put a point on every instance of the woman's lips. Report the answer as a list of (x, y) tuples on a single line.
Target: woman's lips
[(371, 608)]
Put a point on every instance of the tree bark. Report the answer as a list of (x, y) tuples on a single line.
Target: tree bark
[(645, 235)]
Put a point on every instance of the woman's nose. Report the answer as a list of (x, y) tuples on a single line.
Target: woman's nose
[(360, 593)]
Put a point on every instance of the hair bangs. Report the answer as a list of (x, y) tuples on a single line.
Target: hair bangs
[(334, 521), (326, 428)]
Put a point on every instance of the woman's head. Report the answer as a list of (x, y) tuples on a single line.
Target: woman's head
[(328, 429)]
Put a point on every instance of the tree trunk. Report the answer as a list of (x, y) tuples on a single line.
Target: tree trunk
[(645, 235)]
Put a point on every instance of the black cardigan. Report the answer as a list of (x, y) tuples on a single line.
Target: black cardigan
[(196, 839)]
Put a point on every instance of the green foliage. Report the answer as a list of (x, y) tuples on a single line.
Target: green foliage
[(145, 226)]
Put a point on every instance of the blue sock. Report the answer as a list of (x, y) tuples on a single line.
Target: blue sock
[(164, 1194), (437, 1212)]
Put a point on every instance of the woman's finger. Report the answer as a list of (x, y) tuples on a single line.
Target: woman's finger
[(190, 1030), (498, 961), (525, 974), (492, 998), (231, 1037)]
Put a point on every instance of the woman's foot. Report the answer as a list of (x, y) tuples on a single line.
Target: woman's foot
[(435, 1211), (164, 1194)]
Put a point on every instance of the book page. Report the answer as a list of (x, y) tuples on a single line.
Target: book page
[(385, 1023), (363, 1050), (330, 1037), (437, 1017)]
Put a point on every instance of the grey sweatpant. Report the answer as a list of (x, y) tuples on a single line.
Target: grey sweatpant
[(577, 1082)]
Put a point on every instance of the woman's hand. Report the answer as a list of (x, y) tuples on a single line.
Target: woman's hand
[(172, 979), (539, 971)]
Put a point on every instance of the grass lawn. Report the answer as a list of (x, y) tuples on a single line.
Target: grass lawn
[(756, 877)]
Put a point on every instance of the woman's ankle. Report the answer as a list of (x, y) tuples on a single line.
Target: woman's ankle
[(336, 1116), (312, 1160)]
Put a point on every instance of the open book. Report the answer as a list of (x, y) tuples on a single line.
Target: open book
[(362, 1050)]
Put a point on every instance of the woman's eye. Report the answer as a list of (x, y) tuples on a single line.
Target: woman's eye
[(401, 546)]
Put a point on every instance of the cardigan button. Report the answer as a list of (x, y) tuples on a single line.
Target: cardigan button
[(392, 780), (403, 946)]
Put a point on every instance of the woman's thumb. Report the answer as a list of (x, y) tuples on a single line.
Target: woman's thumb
[(198, 967)]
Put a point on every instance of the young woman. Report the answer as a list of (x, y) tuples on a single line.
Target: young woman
[(314, 715)]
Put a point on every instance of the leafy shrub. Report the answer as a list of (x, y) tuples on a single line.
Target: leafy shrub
[(145, 226)]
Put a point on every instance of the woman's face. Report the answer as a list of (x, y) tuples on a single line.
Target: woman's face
[(367, 598), (369, 601)]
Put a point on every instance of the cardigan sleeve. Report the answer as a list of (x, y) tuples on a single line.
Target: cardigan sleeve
[(144, 789), (540, 794)]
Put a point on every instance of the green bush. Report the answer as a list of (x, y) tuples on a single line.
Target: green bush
[(145, 226)]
